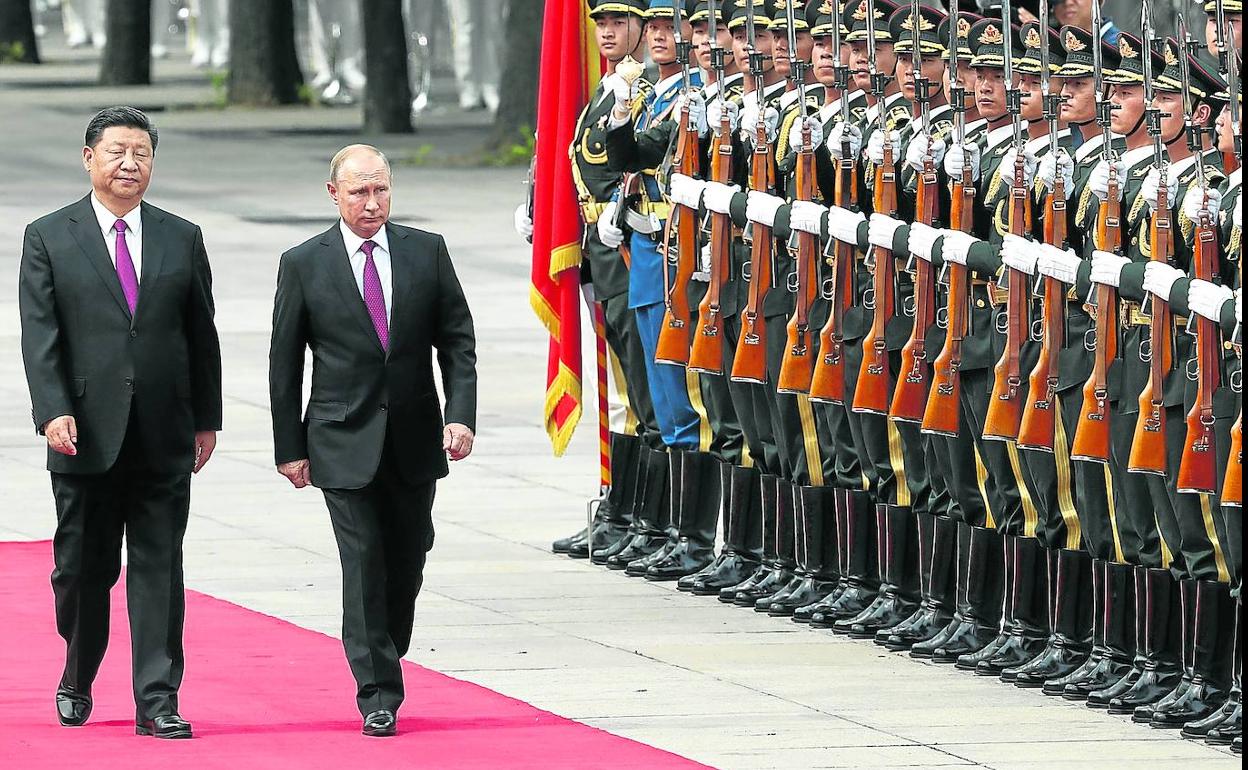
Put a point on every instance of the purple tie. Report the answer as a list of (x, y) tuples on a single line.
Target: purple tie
[(125, 268), (374, 300)]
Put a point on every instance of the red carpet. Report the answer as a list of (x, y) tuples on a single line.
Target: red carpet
[(263, 693)]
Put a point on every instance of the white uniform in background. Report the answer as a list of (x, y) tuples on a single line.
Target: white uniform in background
[(164, 14), (335, 47), (212, 34), (476, 27), (84, 22)]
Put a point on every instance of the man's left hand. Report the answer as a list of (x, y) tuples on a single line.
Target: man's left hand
[(205, 442), (457, 441)]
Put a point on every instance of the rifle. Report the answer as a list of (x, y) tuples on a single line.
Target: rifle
[(941, 417), (827, 383), (1233, 487), (797, 368), (913, 384), (1148, 446), (1092, 441), (749, 363), (682, 226), (1226, 56), (1038, 427), (707, 353), (1005, 409), (872, 395), (1198, 468)]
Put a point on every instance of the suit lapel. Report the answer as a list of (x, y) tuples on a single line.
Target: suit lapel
[(338, 268), (402, 277), (153, 253), (85, 229)]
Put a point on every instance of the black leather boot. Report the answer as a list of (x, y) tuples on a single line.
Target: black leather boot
[(615, 512), (1232, 727), (817, 547), (980, 592), (767, 540), (860, 560), (1026, 629), (938, 549), (1071, 640), (1057, 685), (648, 535), (743, 536), (1099, 699), (1161, 648), (834, 560), (1213, 648), (783, 533), (1183, 623), (700, 503), (970, 661), (669, 516), (1113, 646), (899, 589)]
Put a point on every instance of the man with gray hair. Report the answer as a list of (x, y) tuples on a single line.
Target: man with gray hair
[(373, 300)]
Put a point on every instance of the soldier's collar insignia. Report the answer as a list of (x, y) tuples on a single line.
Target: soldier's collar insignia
[(1126, 49), (1073, 43), (991, 36), (1033, 38)]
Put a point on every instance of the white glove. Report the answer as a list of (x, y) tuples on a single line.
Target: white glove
[(843, 224), (686, 190), (1098, 180), (957, 157), (1052, 165), (715, 114), (956, 246), (836, 140), (881, 229), (522, 222), (1206, 299), (806, 216), (1107, 268), (697, 110), (1159, 278), (917, 150), (717, 196), (1194, 202), (761, 207), (1062, 264), (621, 89), (1007, 167), (795, 132), (750, 117), (1152, 184), (1018, 254), (923, 240), (611, 236), (875, 146)]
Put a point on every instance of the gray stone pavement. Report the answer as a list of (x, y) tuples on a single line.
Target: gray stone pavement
[(723, 686)]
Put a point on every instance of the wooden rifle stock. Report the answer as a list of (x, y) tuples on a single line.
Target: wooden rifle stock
[(797, 368), (1005, 406), (914, 380), (873, 393), (1038, 428), (682, 226), (707, 353), (827, 384), (749, 363), (1198, 468), (1092, 441), (1233, 487), (1148, 446)]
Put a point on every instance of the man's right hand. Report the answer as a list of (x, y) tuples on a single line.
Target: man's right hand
[(62, 434), (297, 472)]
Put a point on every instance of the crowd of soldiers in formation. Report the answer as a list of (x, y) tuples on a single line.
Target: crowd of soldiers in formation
[(936, 314)]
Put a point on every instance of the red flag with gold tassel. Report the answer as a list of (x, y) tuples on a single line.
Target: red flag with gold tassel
[(570, 68)]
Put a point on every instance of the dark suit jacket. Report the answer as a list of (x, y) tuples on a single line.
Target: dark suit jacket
[(359, 392), (86, 356)]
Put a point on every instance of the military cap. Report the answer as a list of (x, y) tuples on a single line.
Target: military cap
[(1130, 69), (1228, 6), (1029, 64), (627, 7), (819, 17), (780, 16), (901, 27), (738, 13), (665, 9), (1077, 43), (702, 12), (1205, 81), (966, 23), (989, 44), (857, 21)]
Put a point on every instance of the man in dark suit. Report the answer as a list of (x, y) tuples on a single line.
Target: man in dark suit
[(372, 299), (124, 369)]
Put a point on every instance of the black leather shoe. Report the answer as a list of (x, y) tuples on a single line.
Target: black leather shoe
[(381, 724), (72, 708), (168, 727)]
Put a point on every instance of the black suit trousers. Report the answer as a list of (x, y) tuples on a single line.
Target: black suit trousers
[(94, 511), (384, 531)]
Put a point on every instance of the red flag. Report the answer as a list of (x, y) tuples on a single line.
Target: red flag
[(569, 69)]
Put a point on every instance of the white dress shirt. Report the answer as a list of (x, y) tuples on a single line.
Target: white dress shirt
[(134, 233), (381, 256)]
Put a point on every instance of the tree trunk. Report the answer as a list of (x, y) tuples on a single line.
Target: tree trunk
[(17, 32), (388, 94), (517, 91), (264, 66), (128, 54)]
